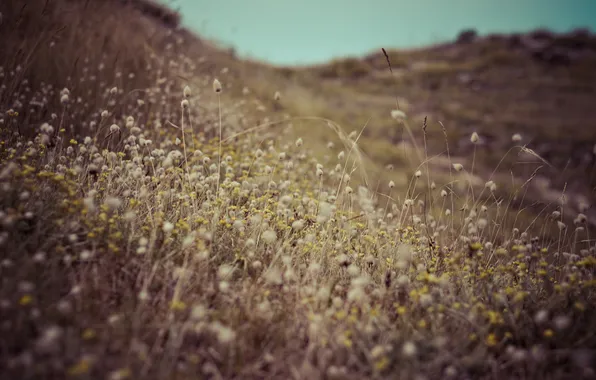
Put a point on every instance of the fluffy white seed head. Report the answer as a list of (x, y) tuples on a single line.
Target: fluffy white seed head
[(217, 86), (398, 115)]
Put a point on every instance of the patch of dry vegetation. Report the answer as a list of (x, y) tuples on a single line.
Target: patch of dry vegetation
[(149, 230)]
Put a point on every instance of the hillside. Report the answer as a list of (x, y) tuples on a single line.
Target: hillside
[(168, 210), (540, 86)]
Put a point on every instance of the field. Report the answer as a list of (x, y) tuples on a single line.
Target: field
[(171, 211)]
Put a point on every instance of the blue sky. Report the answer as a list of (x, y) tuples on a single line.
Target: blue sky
[(314, 31)]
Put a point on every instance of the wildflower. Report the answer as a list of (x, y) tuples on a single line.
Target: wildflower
[(184, 104), (409, 349), (541, 317), (64, 98), (186, 92), (277, 96), (458, 167), (168, 227), (343, 260), (562, 322), (418, 174), (299, 142), (225, 271), (216, 86), (516, 137), (581, 218), (113, 90), (474, 138), (120, 374), (113, 203), (298, 225), (49, 339), (391, 184), (398, 115), (114, 128), (269, 237), (273, 276)]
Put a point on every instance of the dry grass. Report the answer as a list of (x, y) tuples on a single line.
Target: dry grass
[(153, 232)]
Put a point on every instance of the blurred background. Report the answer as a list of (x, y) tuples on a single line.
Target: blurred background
[(290, 32)]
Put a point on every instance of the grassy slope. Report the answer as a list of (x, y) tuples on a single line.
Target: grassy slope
[(495, 86), (125, 254)]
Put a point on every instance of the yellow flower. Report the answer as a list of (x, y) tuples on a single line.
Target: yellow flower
[(88, 334), (25, 300), (80, 368), (491, 340)]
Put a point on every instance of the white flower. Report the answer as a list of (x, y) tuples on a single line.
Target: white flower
[(398, 115), (298, 225), (168, 227), (269, 236), (409, 349), (216, 86)]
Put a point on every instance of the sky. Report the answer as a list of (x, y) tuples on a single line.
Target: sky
[(295, 32)]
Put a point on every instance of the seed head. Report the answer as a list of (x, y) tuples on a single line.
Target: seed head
[(398, 115), (187, 93), (474, 138), (130, 122), (216, 86)]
